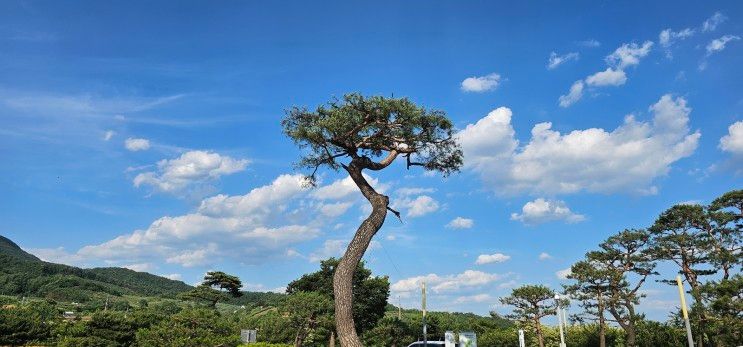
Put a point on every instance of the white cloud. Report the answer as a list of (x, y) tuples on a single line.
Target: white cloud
[(330, 248), (544, 256), (668, 37), (719, 44), (733, 141), (491, 258), (557, 60), (575, 94), (174, 277), (478, 298), (626, 55), (134, 145), (608, 77), (460, 223), (108, 135), (712, 22), (191, 168), (542, 211), (140, 267), (626, 159), (335, 248), (418, 206), (407, 191), (629, 54), (253, 228), (590, 43), (563, 274), (345, 189), (335, 209), (481, 84), (448, 283)]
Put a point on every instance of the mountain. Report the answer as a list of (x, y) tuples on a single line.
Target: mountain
[(9, 247), (22, 273)]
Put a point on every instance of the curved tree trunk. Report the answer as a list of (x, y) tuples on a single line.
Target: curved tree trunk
[(343, 276), (538, 328)]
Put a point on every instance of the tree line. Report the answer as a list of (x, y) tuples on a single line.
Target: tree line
[(702, 242)]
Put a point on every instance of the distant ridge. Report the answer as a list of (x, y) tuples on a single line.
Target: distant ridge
[(11, 248), (22, 273)]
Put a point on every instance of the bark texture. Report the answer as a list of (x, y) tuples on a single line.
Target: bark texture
[(343, 276)]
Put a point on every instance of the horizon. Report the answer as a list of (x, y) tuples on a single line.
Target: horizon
[(148, 136)]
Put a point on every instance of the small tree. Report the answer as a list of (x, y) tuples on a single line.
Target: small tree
[(679, 235), (591, 288), (308, 311), (226, 284), (531, 303), (622, 255), (370, 293), (223, 281), (370, 133), (725, 233)]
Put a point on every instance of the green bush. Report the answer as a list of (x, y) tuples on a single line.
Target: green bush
[(194, 327)]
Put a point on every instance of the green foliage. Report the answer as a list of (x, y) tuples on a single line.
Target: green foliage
[(724, 299), (370, 126), (656, 334), (205, 294), (311, 316), (370, 293), (194, 327), (223, 281), (531, 302), (27, 323), (24, 274), (390, 331)]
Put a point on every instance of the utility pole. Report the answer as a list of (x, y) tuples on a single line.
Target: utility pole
[(683, 310), (425, 328), (559, 320)]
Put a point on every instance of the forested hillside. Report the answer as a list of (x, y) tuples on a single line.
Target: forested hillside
[(26, 275)]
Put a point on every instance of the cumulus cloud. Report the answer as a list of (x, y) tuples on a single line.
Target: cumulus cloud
[(719, 44), (629, 54), (460, 223), (544, 256), (712, 22), (733, 141), (174, 277), (608, 77), (626, 159), (563, 274), (418, 206), (541, 211), (260, 225), (481, 84), (668, 37), (491, 258), (575, 94), (191, 168), (134, 144), (556, 60), (447, 283), (330, 248)]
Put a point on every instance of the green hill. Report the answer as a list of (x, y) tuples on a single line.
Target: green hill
[(24, 274)]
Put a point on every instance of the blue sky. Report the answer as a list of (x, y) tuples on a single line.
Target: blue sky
[(147, 135)]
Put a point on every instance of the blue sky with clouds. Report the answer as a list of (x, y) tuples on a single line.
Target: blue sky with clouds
[(147, 135)]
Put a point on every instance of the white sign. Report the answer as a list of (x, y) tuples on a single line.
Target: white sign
[(248, 336), (449, 340), (522, 343), (467, 339)]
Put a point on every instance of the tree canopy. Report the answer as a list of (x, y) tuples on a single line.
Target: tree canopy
[(370, 127)]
